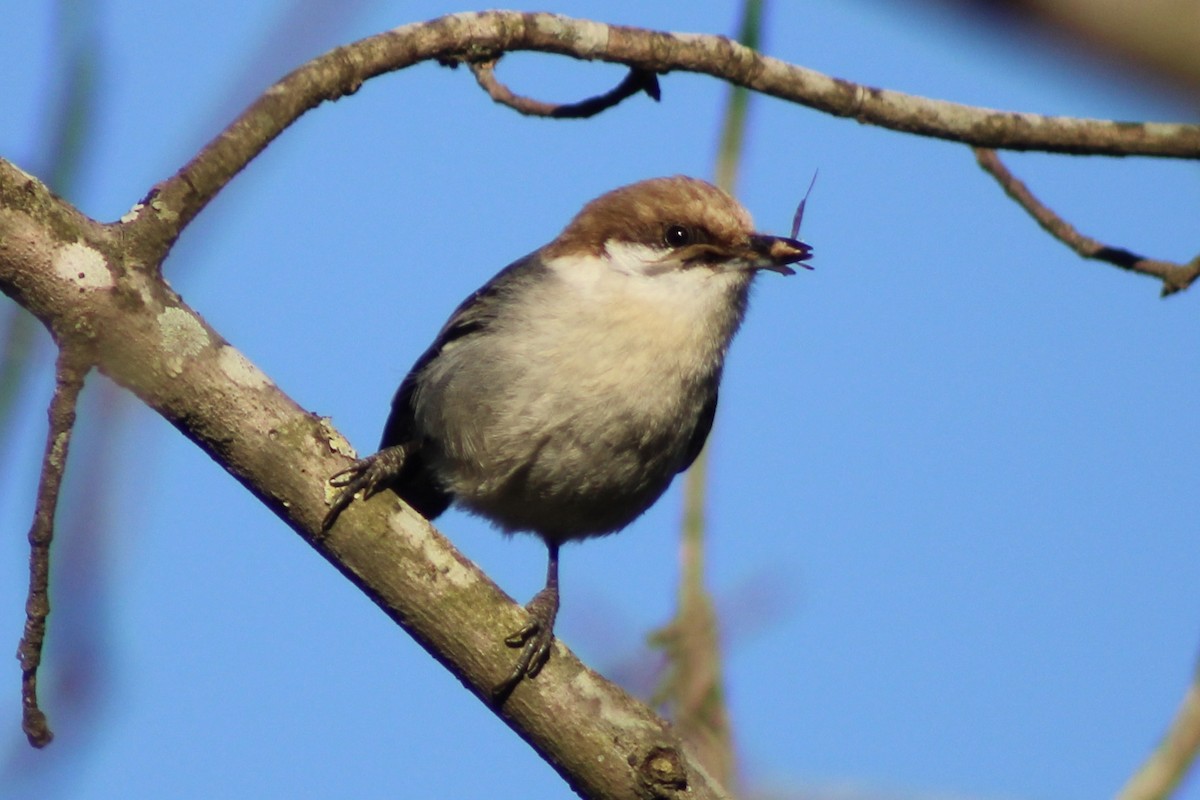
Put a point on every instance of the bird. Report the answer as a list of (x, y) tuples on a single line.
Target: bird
[(563, 396)]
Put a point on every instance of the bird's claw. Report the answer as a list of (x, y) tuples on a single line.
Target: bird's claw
[(367, 475), (518, 638), (535, 639)]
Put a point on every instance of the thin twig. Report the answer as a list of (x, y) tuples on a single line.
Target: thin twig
[(69, 375), (1174, 277), (637, 80), (1169, 763)]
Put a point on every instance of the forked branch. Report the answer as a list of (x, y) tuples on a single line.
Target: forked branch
[(479, 36)]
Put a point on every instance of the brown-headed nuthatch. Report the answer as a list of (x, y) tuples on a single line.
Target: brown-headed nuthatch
[(564, 396)]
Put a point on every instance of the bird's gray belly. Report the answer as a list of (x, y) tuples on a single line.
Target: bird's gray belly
[(567, 465)]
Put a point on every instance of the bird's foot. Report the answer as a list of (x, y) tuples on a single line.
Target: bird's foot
[(534, 639), (367, 475)]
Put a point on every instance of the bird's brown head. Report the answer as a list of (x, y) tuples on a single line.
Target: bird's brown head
[(690, 221)]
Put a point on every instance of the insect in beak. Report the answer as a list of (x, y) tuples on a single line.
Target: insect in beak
[(796, 220)]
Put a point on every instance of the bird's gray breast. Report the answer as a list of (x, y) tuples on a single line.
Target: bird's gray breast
[(571, 419)]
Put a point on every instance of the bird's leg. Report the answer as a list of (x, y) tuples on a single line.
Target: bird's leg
[(367, 475), (537, 636)]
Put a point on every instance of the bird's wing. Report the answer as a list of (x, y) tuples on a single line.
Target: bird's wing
[(704, 423), (472, 316)]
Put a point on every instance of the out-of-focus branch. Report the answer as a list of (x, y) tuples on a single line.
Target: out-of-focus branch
[(692, 688), (64, 132), (635, 81), (1174, 277), (1150, 35), (16, 344), (1166, 767), (69, 375)]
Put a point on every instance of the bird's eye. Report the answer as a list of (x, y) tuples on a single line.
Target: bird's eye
[(678, 236)]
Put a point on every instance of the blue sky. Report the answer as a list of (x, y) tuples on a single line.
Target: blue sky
[(953, 522)]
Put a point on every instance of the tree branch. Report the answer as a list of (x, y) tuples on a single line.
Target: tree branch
[(477, 36), (1174, 277), (65, 269)]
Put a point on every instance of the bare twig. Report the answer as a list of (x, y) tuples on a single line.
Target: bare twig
[(1174, 277), (1169, 763), (635, 81), (69, 375), (691, 689)]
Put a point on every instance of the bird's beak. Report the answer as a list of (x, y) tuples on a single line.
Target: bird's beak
[(774, 253)]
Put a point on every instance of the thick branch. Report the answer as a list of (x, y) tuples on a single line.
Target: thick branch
[(483, 35), (1174, 277), (52, 260)]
